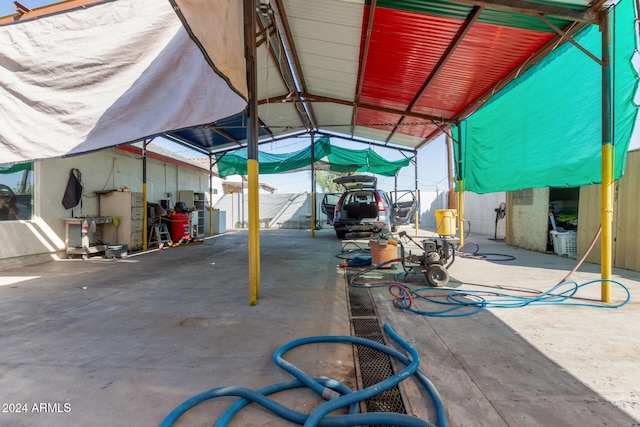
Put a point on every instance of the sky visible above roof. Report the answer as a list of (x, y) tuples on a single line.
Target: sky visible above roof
[(7, 8)]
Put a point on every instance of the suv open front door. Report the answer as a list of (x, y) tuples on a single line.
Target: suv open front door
[(328, 206), (403, 207)]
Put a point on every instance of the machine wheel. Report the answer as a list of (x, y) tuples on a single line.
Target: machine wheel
[(437, 275), (341, 234)]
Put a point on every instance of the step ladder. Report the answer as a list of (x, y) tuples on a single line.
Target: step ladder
[(160, 236)]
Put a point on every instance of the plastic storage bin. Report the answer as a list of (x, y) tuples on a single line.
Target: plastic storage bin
[(445, 222), (565, 243)]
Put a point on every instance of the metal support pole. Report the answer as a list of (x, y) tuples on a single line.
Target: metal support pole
[(607, 162), (461, 212), (249, 9), (145, 244), (460, 188), (313, 189), (210, 194), (415, 162), (451, 173)]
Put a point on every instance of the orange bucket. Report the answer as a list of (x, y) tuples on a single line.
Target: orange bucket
[(382, 253)]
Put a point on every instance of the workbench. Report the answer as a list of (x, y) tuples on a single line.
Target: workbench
[(85, 244)]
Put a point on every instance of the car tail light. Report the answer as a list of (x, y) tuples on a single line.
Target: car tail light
[(380, 204)]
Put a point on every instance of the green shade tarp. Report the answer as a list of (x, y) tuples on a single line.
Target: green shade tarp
[(544, 129), (16, 168), (336, 159)]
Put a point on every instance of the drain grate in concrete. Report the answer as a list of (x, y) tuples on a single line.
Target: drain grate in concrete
[(372, 366), (360, 302)]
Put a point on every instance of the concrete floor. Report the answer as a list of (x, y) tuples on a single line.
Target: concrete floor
[(123, 342)]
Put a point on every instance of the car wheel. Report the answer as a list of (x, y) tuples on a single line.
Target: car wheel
[(341, 234)]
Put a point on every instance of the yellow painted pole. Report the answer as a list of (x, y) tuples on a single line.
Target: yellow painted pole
[(254, 232), (415, 174), (249, 19), (210, 194), (145, 243), (313, 187), (313, 214), (606, 242), (461, 213), (210, 213), (417, 220), (606, 261)]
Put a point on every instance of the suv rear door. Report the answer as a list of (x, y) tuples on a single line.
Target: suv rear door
[(349, 183), (357, 182), (328, 206), (403, 206)]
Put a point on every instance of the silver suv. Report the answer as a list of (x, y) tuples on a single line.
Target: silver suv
[(364, 208)]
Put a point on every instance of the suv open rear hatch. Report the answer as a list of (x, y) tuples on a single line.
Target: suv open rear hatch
[(357, 182)]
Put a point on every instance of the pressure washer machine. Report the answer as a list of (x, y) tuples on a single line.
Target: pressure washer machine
[(434, 260)]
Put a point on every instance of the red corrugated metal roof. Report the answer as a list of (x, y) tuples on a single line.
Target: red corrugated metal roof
[(404, 50), (407, 47)]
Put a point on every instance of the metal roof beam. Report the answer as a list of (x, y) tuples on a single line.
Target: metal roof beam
[(530, 8), (541, 53), (473, 17), (318, 98), (367, 142), (290, 81), (292, 55), (266, 141), (224, 134), (264, 33), (570, 39), (184, 142), (363, 64)]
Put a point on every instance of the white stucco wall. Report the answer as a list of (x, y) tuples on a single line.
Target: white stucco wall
[(527, 219), (43, 237), (277, 210), (430, 202), (479, 210)]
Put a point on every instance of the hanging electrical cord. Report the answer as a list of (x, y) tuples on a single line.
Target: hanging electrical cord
[(337, 394)]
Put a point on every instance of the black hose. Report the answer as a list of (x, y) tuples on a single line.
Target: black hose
[(485, 255), (453, 258)]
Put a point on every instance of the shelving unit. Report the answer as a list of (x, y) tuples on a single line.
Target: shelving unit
[(128, 207), (195, 201), (198, 214)]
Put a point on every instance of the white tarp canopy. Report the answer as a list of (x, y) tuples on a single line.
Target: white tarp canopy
[(117, 72)]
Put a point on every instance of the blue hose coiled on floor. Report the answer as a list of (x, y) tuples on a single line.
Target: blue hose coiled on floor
[(458, 302), (337, 394)]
